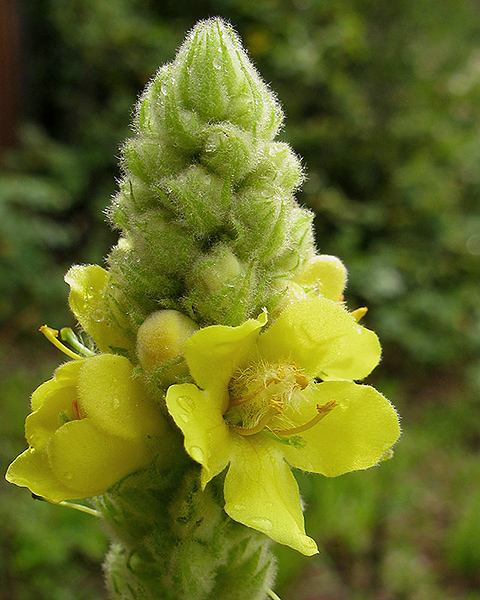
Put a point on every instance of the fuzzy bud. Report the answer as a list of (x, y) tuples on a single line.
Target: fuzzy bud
[(161, 340)]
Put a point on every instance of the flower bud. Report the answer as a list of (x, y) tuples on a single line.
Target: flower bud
[(161, 338), (324, 273)]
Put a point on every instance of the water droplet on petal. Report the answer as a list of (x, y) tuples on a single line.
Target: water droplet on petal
[(98, 316), (163, 89), (217, 64), (186, 403), (196, 453), (263, 524)]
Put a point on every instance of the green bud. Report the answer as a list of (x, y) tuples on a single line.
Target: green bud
[(217, 81), (229, 151), (206, 203)]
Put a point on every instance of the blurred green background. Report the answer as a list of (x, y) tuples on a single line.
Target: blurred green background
[(383, 103)]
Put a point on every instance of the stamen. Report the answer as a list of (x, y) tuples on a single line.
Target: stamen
[(77, 410), (52, 336), (301, 380), (272, 411), (359, 313), (67, 335), (323, 411), (243, 399)]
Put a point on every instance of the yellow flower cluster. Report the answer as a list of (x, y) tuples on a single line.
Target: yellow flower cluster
[(263, 398)]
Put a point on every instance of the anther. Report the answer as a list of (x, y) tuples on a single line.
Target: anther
[(359, 313)]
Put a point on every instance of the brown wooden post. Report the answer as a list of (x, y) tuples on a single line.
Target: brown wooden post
[(9, 74)]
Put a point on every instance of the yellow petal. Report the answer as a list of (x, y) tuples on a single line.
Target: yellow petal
[(314, 333), (55, 410), (207, 437), (358, 357), (87, 284), (261, 492), (32, 470), (90, 461), (353, 436), (116, 401), (214, 353), (65, 376)]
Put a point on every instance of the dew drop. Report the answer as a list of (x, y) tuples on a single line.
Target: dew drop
[(264, 524), (217, 64), (97, 316), (239, 507), (196, 453), (163, 89), (186, 403)]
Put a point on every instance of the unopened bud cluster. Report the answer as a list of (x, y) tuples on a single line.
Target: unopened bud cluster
[(209, 225)]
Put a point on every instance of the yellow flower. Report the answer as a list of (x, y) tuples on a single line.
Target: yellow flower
[(258, 407), (91, 425), (109, 329)]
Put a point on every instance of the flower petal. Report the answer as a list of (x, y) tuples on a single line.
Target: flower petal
[(354, 435), (214, 353), (65, 376), (116, 401), (56, 409), (87, 284), (32, 470), (261, 492), (207, 437), (314, 333), (358, 358), (90, 461)]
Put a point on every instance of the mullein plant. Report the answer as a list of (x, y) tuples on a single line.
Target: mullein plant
[(216, 351)]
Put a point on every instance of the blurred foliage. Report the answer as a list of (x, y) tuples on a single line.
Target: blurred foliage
[(383, 103)]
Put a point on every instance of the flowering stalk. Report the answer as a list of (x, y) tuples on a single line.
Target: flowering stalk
[(221, 352)]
